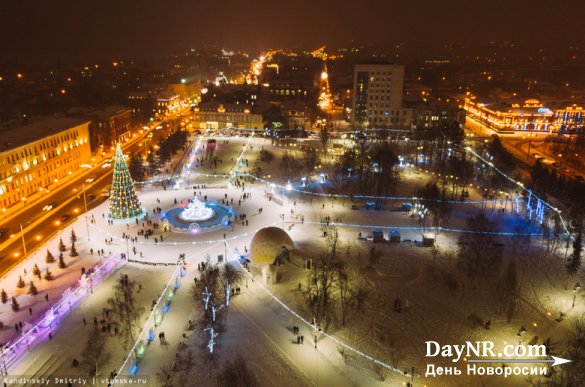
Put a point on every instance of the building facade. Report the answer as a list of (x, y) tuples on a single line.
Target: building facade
[(188, 90), (529, 116), (108, 126), (377, 96), (36, 156), (217, 116), (280, 90), (429, 115), (167, 104), (141, 103)]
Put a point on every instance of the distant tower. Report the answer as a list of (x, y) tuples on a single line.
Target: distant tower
[(124, 203)]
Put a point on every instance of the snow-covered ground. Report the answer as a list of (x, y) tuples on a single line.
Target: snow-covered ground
[(440, 298)]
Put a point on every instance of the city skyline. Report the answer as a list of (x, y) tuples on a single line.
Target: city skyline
[(67, 30), (374, 193)]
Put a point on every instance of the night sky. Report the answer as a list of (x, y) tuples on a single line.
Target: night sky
[(107, 29)]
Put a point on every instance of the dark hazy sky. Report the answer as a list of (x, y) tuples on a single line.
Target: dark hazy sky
[(104, 29)]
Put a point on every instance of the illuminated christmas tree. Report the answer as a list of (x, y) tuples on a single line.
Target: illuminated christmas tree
[(124, 203)]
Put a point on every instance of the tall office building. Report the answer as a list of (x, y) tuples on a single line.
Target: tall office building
[(377, 96)]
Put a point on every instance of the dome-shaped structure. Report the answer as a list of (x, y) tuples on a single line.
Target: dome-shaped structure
[(268, 244)]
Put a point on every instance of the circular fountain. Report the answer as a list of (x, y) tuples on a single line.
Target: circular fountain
[(197, 216), (196, 211)]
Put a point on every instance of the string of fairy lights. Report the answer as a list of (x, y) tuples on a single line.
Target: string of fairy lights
[(540, 201), (320, 332), (134, 205)]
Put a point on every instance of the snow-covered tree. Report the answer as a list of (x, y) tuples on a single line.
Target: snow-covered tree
[(48, 275), (15, 305), (62, 264), (32, 289), (37, 271), (50, 258), (62, 246), (73, 252)]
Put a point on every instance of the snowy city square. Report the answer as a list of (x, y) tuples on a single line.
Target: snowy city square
[(299, 194), (240, 265)]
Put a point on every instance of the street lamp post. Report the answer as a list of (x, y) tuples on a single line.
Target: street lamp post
[(85, 205), (22, 236), (575, 290), (520, 333)]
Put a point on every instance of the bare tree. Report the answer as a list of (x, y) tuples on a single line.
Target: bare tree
[(206, 293), (480, 254), (332, 240), (94, 355), (344, 291), (165, 376), (573, 374), (230, 276), (236, 374), (185, 365), (125, 310)]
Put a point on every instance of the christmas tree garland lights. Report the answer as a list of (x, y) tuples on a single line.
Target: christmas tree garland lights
[(124, 203)]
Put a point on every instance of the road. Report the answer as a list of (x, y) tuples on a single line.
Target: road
[(525, 147), (67, 204)]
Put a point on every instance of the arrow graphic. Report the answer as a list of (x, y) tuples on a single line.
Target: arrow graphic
[(555, 361)]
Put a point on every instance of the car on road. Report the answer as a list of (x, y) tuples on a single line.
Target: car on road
[(90, 179), (49, 206), (106, 192), (106, 165), (90, 197), (65, 218)]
